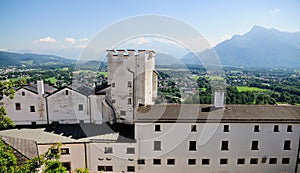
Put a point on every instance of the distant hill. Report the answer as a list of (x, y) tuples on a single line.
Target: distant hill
[(29, 59), (260, 47)]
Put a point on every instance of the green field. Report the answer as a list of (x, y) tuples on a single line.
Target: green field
[(52, 80), (104, 73), (245, 89), (17, 79)]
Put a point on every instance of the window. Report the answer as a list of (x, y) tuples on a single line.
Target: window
[(105, 168), (240, 161), (80, 107), (223, 161), (226, 128), (276, 128), (18, 106), (157, 128), (156, 161), (67, 165), (256, 128), (33, 123), (205, 161), (170, 161), (32, 108), (157, 145), (285, 161), (129, 101), (273, 161), (191, 161), (289, 128), (67, 92), (224, 145), (123, 113), (130, 169), (253, 161), (192, 146), (23, 93), (113, 101), (64, 151), (254, 145), (108, 150), (129, 84), (287, 145), (113, 85), (130, 150), (193, 128), (141, 161)]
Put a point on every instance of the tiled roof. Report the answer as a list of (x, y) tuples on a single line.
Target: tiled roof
[(47, 88), (26, 147), (231, 113)]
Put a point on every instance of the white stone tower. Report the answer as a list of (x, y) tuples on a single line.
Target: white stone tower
[(133, 81)]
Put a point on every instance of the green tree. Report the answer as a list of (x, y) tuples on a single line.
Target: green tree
[(8, 161), (5, 121), (6, 89)]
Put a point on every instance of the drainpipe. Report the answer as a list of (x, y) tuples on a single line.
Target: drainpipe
[(47, 111)]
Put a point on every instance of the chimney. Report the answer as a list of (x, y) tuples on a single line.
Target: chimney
[(219, 99), (40, 88)]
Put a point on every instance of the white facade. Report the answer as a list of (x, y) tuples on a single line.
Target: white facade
[(27, 107), (133, 81), (68, 106)]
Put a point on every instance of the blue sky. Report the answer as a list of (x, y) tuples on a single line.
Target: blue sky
[(63, 27)]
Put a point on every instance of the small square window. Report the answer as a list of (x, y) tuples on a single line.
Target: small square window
[(192, 146), (240, 161), (254, 145), (223, 161), (141, 161), (276, 128), (157, 145), (32, 108), (253, 161), (18, 106), (205, 161), (129, 84), (285, 161), (157, 128), (191, 161), (287, 145), (65, 151), (123, 113), (225, 145), (108, 150), (170, 161), (23, 93), (130, 150), (130, 169), (67, 92), (113, 85), (156, 161), (80, 107), (105, 168), (113, 101), (289, 128), (226, 128), (256, 128), (193, 128), (273, 161)]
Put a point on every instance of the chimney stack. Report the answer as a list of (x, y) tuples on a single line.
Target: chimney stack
[(219, 99), (40, 88)]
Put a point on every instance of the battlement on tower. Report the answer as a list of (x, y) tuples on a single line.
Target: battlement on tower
[(129, 52)]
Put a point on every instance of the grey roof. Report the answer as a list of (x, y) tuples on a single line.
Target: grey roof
[(207, 113), (27, 148), (47, 88), (82, 89)]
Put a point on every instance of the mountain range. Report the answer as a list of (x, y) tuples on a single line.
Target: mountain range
[(260, 47)]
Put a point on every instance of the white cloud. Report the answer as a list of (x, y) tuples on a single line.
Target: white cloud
[(47, 40), (139, 40), (275, 11), (81, 46), (83, 39), (70, 40)]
